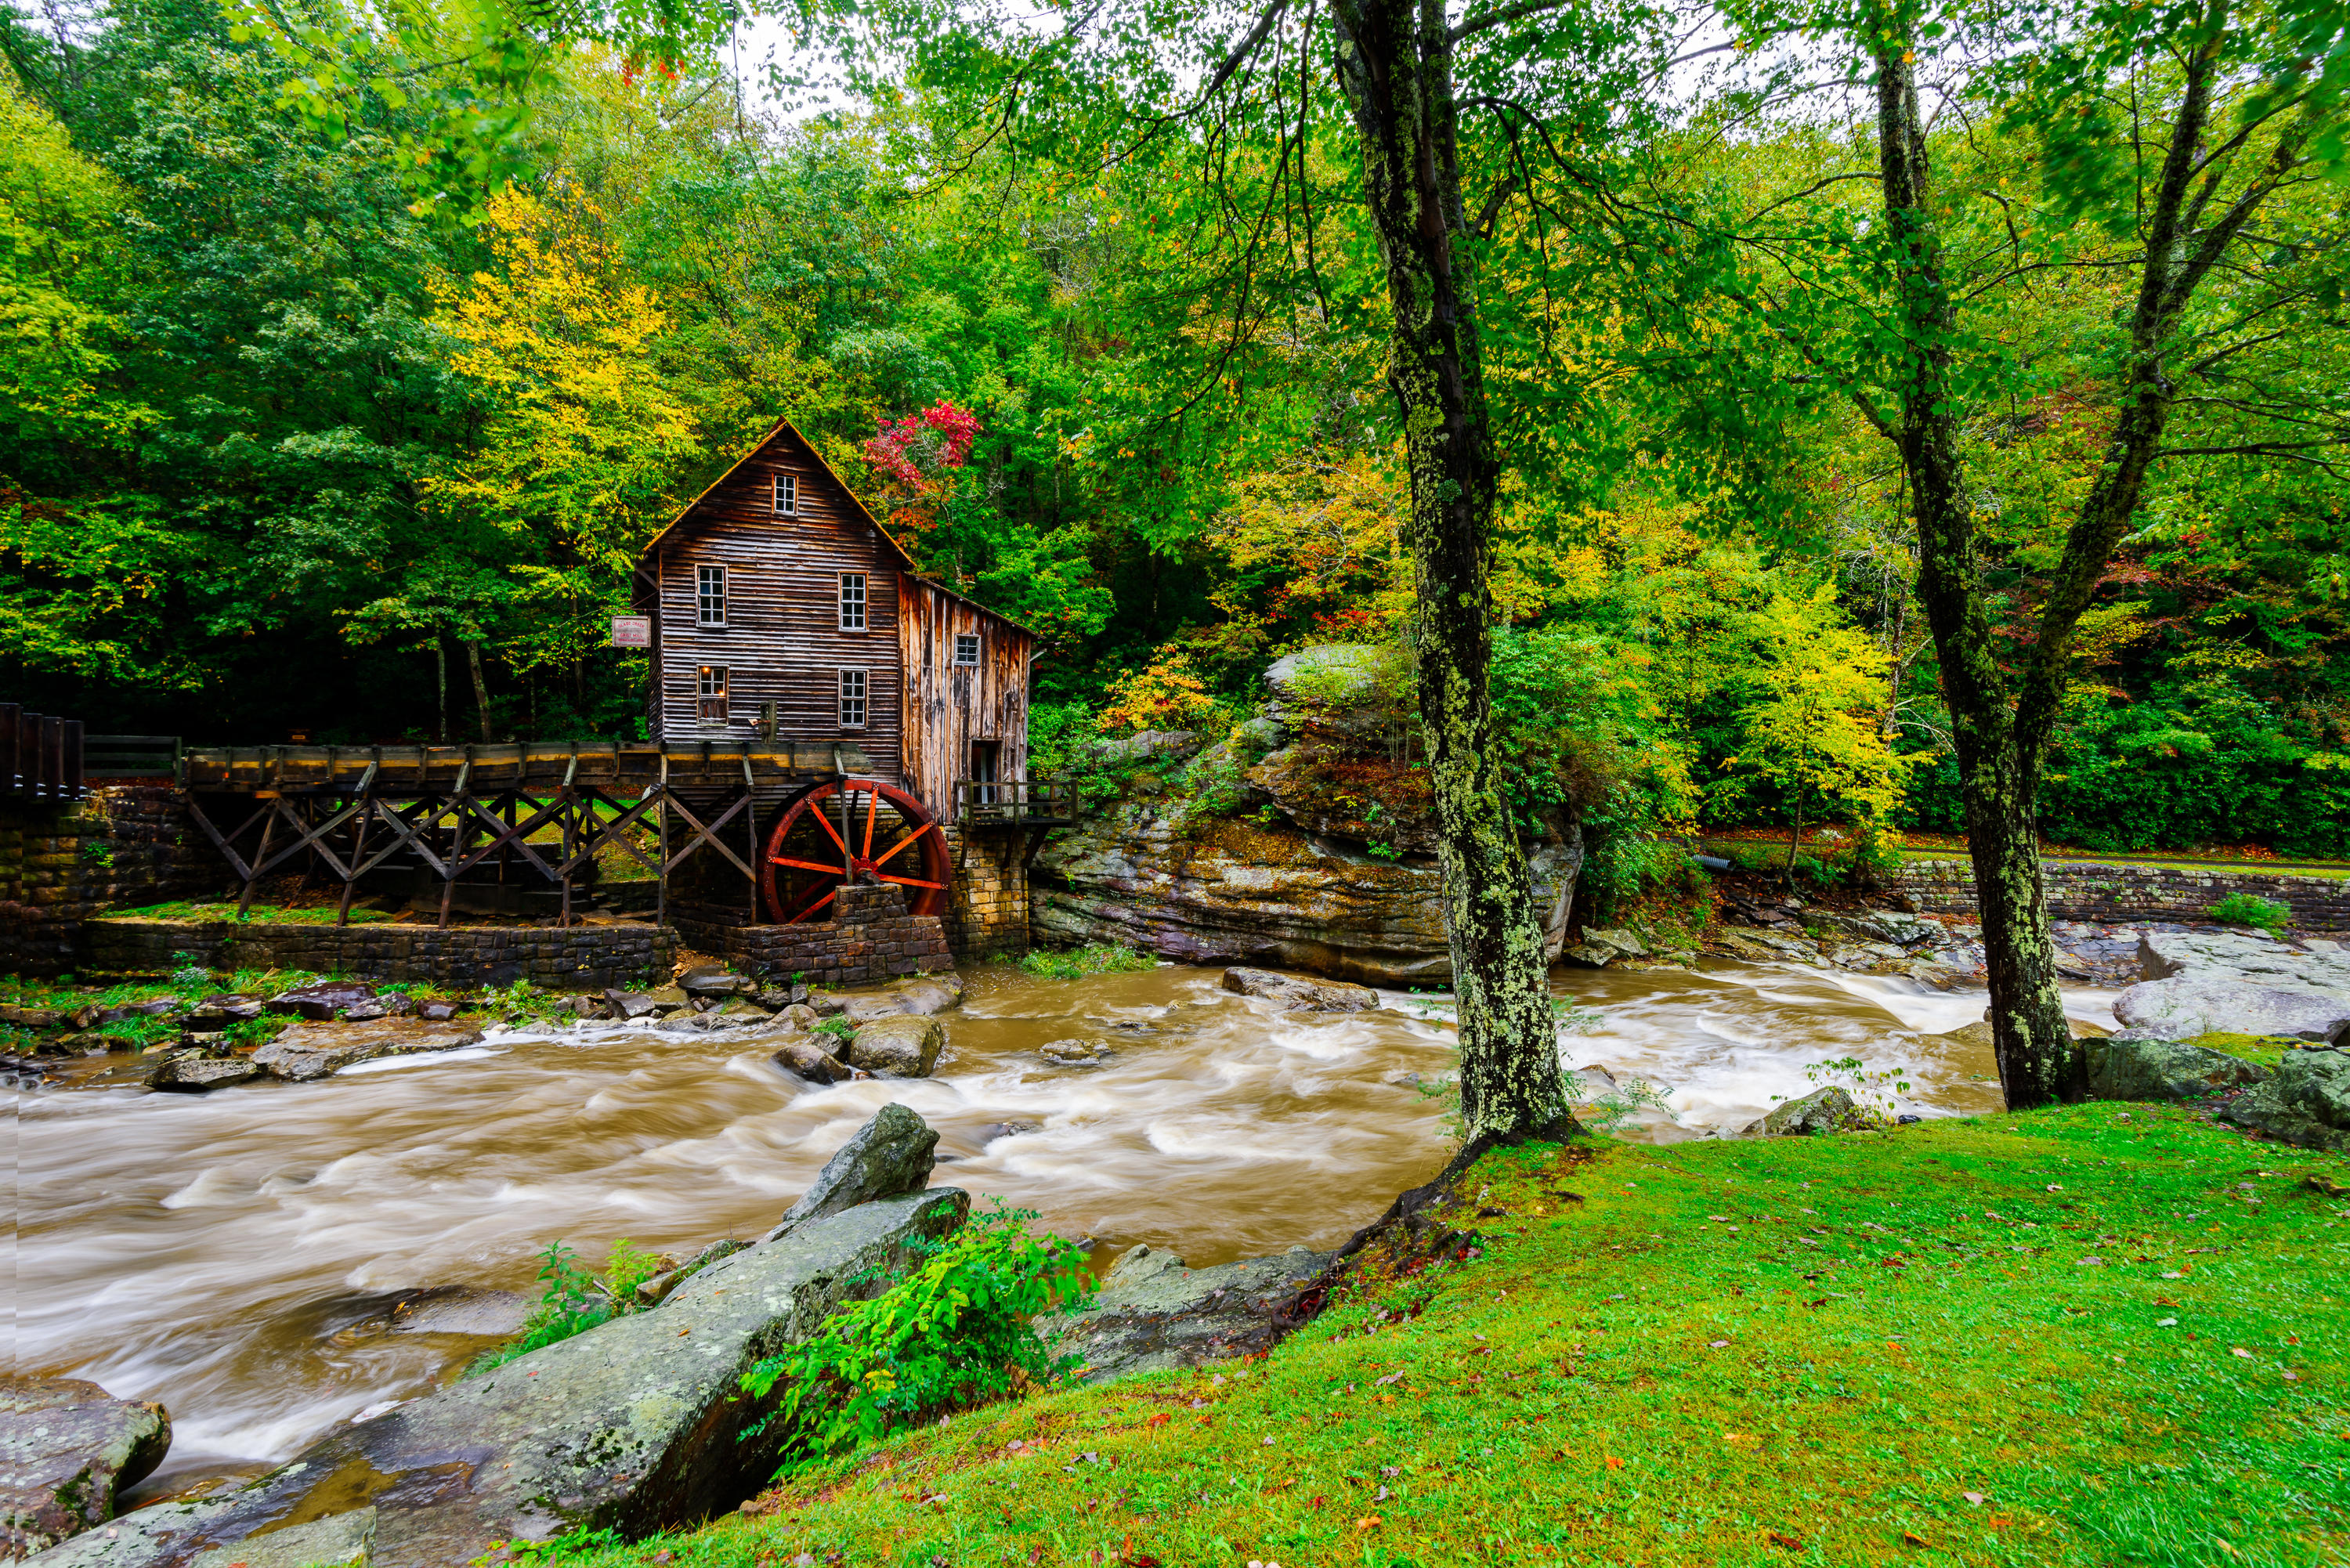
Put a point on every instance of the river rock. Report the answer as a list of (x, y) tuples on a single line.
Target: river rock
[(1074, 1053), (321, 1001), (2126, 1068), (931, 994), (637, 1425), (813, 1062), (892, 1154), (1154, 1312), (741, 1009), (2190, 1004), (1825, 1109), (667, 998), (1295, 990), (437, 1012), (309, 1052), (715, 979), (869, 1006), (67, 1449), (799, 1015), (1221, 890), (189, 1073), (2306, 1103), (628, 1005), (900, 1047), (661, 1287), (329, 1542)]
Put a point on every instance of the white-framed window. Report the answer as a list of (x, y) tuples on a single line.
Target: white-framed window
[(852, 601), (710, 694), (787, 496), (710, 596), (852, 699), (966, 648)]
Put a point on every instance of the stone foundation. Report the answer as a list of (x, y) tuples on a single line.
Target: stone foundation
[(2118, 893), (581, 958), (871, 938), (123, 846), (987, 912)]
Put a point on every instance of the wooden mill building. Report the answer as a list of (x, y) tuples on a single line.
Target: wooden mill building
[(782, 611)]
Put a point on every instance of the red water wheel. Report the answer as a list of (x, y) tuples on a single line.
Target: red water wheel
[(852, 830)]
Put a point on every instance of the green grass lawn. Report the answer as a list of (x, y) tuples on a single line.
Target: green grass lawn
[(2097, 1334), (197, 911)]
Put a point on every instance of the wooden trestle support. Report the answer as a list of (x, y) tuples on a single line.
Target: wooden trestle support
[(456, 808)]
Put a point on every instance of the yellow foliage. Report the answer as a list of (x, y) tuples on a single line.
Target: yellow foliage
[(1165, 694)]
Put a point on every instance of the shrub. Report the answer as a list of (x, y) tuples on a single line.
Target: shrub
[(953, 1335), (2250, 910), (575, 1300), (1078, 962)]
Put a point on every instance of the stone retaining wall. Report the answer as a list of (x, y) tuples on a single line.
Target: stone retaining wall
[(125, 846), (581, 958), (2113, 893), (871, 938)]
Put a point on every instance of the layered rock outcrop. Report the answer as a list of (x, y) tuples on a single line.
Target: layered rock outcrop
[(1300, 841)]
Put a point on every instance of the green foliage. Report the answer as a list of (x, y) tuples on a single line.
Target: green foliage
[(2251, 909), (838, 1026), (952, 1334), (1871, 1091), (571, 1546), (575, 1300), (1076, 963)]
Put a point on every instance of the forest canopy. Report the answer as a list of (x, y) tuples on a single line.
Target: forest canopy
[(339, 399)]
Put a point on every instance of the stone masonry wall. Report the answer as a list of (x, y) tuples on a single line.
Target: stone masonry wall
[(987, 912), (581, 958), (871, 938), (123, 846), (2119, 894)]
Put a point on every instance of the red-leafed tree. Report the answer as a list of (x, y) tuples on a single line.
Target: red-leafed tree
[(915, 461)]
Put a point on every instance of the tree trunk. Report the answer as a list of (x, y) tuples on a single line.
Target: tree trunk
[(481, 686), (1393, 64), (441, 665), (2030, 1035)]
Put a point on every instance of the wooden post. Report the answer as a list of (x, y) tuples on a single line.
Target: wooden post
[(260, 858), (359, 836), (463, 831), (661, 842), (569, 828)]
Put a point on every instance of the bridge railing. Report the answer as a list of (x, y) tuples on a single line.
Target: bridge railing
[(1015, 803), (40, 755)]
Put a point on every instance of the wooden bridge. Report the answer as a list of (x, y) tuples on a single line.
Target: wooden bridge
[(547, 808)]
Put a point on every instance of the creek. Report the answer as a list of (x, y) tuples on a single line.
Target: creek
[(235, 1255)]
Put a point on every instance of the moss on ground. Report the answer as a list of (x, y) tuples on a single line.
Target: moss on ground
[(2268, 1050), (2094, 1335)]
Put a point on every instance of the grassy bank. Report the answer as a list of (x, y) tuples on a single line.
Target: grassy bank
[(2099, 1335)]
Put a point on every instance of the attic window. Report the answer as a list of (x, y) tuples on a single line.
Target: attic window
[(852, 601), (852, 699), (787, 496), (966, 648), (710, 596)]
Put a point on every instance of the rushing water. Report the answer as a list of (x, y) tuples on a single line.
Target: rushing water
[(232, 1254)]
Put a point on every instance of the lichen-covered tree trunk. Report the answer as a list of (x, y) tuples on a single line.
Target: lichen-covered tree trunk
[(1996, 776), (1392, 58)]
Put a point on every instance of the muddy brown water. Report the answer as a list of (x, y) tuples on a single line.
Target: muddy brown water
[(235, 1254)]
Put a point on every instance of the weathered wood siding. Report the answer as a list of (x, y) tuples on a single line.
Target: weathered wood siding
[(782, 641), (948, 706)]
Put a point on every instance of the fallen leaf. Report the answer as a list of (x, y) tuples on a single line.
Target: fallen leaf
[(1973, 1496), (1789, 1542), (1368, 1521), (1911, 1537), (1614, 1464), (1160, 1419), (2247, 1355)]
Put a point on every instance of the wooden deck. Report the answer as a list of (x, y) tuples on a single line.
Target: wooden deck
[(612, 768)]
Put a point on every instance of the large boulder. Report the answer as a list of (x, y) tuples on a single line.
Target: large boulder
[(2186, 1005), (1828, 1108), (1353, 692), (1153, 1311), (2126, 1067), (1295, 990), (188, 1073), (813, 1062), (894, 1153), (2306, 1103), (67, 1449), (309, 1052), (637, 1425), (1220, 890), (904, 1046)]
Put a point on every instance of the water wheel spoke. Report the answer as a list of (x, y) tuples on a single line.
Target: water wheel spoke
[(829, 894), (917, 833), (872, 810), (807, 865), (907, 881), (834, 834)]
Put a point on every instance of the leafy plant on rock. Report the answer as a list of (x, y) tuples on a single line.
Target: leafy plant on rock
[(954, 1333), (2251, 909)]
